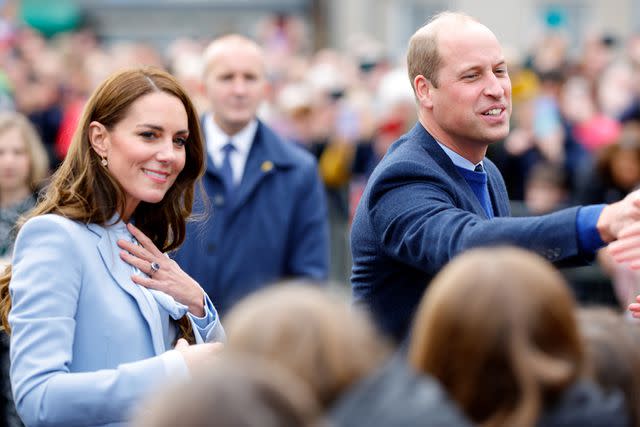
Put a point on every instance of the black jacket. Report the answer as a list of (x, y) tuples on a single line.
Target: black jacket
[(396, 396), (585, 405)]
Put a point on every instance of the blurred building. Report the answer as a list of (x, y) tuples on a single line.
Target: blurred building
[(333, 22)]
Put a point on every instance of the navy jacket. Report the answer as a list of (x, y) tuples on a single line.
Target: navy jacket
[(418, 212), (274, 226)]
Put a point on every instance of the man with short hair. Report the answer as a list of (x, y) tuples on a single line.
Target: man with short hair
[(267, 217), (435, 194)]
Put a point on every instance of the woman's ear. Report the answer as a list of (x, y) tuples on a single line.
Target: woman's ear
[(99, 138)]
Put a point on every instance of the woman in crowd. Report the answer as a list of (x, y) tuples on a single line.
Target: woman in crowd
[(92, 303), (23, 167), (497, 328)]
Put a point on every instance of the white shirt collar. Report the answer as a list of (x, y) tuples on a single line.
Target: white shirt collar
[(458, 160), (216, 138)]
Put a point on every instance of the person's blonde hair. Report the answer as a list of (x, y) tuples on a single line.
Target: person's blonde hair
[(497, 328), (83, 190), (38, 158), (233, 390), (317, 336), (423, 56)]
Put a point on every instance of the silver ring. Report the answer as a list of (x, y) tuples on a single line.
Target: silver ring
[(154, 268)]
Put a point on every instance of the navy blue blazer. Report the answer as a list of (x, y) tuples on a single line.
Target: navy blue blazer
[(417, 212), (274, 227)]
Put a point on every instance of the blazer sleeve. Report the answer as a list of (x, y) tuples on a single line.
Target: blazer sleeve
[(418, 219), (45, 287), (308, 239)]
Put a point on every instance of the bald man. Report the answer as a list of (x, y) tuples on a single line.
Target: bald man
[(435, 194), (267, 217)]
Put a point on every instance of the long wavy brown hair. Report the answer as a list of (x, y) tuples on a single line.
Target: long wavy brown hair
[(82, 190), (497, 328)]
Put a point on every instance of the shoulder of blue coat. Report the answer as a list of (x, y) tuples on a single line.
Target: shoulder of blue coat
[(285, 152), (54, 221)]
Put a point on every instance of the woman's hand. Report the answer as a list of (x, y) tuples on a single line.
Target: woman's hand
[(167, 276)]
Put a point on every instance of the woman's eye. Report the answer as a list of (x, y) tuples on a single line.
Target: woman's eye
[(180, 141), (147, 135)]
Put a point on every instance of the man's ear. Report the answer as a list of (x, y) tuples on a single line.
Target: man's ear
[(424, 91), (99, 138)]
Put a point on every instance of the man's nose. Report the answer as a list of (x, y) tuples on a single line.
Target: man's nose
[(239, 85), (494, 87)]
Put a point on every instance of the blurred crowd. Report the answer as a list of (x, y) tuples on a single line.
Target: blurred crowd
[(345, 107), (574, 140)]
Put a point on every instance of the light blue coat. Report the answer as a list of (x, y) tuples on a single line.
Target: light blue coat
[(87, 343)]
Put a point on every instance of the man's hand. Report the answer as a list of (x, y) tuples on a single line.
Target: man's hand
[(616, 216), (634, 308), (627, 248)]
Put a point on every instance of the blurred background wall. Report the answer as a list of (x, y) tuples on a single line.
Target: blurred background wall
[(334, 22)]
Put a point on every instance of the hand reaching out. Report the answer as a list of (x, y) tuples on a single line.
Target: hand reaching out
[(616, 216), (627, 250)]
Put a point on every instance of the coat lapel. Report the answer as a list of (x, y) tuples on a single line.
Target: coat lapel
[(441, 158), (266, 157), (499, 199), (257, 168), (121, 274)]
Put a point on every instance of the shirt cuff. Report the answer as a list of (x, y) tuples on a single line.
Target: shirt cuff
[(589, 239), (174, 365), (204, 324)]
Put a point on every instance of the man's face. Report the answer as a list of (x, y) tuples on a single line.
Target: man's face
[(472, 103), (235, 85)]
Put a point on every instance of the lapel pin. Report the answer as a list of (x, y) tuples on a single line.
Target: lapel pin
[(267, 165)]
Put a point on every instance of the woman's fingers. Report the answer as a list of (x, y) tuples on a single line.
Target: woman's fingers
[(135, 250), (144, 240), (137, 262)]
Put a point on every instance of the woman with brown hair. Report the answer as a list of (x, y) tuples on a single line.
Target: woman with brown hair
[(497, 328), (92, 303)]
